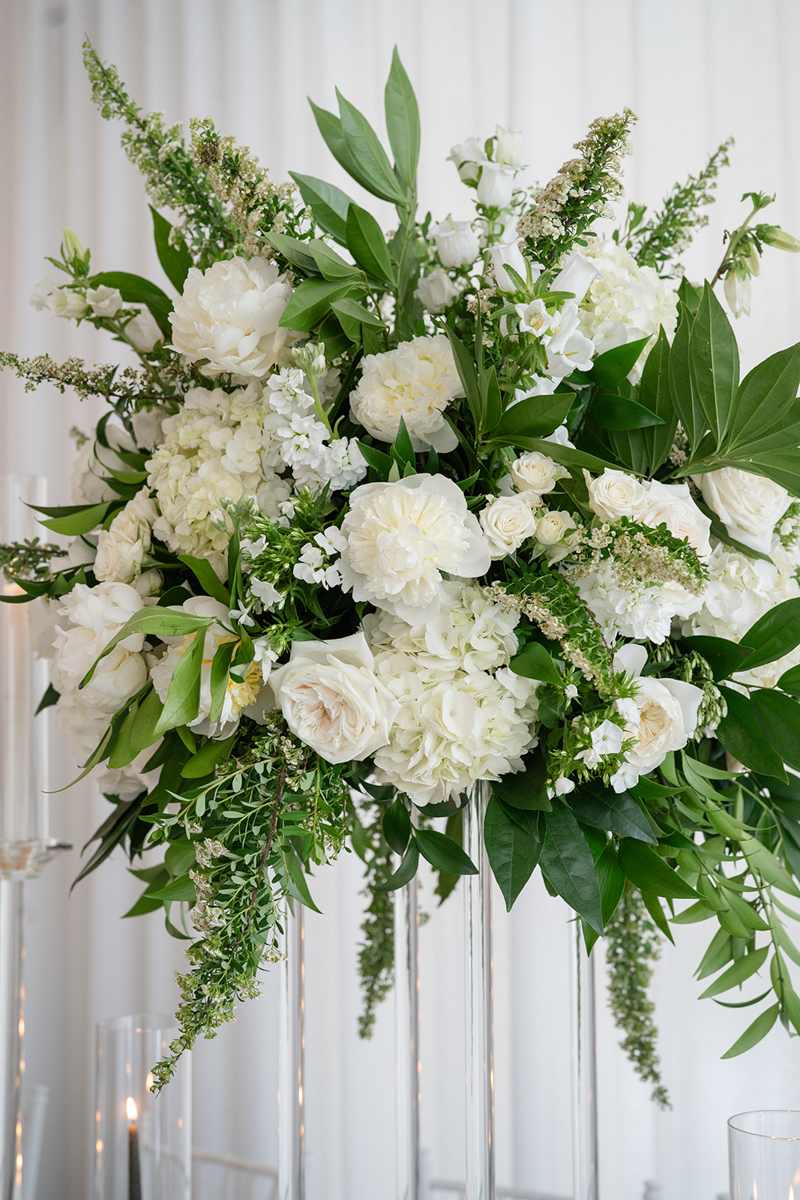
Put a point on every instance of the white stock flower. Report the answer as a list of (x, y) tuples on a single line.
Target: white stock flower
[(332, 700), (666, 711), (121, 547), (495, 185), (230, 314), (466, 156), (507, 522), (749, 506), (536, 472), (436, 290), (456, 243), (402, 536), (508, 147), (417, 382), (504, 255), (615, 494), (104, 301)]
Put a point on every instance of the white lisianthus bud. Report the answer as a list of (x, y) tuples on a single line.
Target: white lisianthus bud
[(64, 302), (456, 242), (467, 155), (496, 185), (737, 293), (575, 276), (72, 245), (436, 291), (780, 239), (104, 301), (508, 146), (501, 257)]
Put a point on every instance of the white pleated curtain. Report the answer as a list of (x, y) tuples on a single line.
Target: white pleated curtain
[(695, 72)]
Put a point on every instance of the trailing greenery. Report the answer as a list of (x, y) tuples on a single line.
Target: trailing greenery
[(376, 951)]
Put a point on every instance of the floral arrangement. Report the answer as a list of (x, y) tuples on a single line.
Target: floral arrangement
[(383, 526)]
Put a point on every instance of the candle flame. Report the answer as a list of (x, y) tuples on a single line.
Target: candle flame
[(130, 1109)]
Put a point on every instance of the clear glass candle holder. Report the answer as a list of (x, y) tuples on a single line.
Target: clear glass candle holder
[(143, 1143), (764, 1153)]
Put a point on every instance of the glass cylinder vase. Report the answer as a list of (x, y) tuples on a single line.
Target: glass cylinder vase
[(143, 1143), (764, 1155)]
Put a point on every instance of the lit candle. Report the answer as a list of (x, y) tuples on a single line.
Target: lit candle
[(134, 1167)]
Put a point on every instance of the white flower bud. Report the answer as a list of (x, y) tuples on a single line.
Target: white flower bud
[(780, 239), (456, 242), (496, 185), (501, 257), (508, 146), (467, 155), (72, 246), (737, 293)]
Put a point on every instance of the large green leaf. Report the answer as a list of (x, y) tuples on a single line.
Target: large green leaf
[(183, 697), (655, 395), (330, 126), (773, 635), (754, 1033), (443, 853), (366, 150), (402, 121), (534, 661), (513, 852), (741, 735), (651, 873), (294, 251), (405, 872), (77, 519), (311, 301), (724, 657), (367, 244), (526, 789), (765, 396), (534, 417), (610, 368), (207, 578), (617, 812), (172, 254), (679, 378), (567, 862), (779, 718), (397, 826), (135, 290), (615, 412), (714, 363), (329, 205)]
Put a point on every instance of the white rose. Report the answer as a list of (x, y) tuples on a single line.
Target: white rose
[(332, 700), (230, 316), (143, 331), (614, 494), (749, 506), (64, 302), (671, 504), (121, 547), (507, 522), (466, 155), (496, 185), (508, 146), (552, 527), (575, 276), (436, 290), (104, 301), (417, 382), (502, 256), (402, 536), (536, 472), (456, 242), (666, 711)]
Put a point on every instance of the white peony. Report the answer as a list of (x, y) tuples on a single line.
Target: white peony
[(749, 506), (436, 291), (93, 616), (507, 522), (495, 185), (417, 382), (332, 700), (615, 494), (536, 472), (402, 536), (122, 547), (456, 243), (229, 315), (666, 712)]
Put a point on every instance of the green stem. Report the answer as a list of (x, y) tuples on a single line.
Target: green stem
[(736, 238)]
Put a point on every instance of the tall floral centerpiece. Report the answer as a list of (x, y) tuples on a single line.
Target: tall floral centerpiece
[(374, 519)]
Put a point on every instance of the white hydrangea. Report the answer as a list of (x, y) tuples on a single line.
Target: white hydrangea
[(463, 715), (417, 382), (229, 316), (624, 301), (643, 612)]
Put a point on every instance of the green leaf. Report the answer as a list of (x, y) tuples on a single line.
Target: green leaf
[(155, 621), (743, 910), (397, 826), (111, 834), (534, 662), (765, 396), (532, 418), (365, 149), (311, 301), (405, 872), (609, 369), (173, 256), (653, 906), (148, 714), (722, 656), (443, 853), (207, 578), (135, 290), (50, 697), (331, 264), (465, 365), (567, 862), (297, 885), (617, 812), (611, 880), (714, 363), (719, 952), (180, 856), (526, 790), (754, 1033), (790, 681), (679, 379), (612, 411), (512, 851), (294, 251), (124, 752), (352, 310), (651, 873), (181, 890), (329, 205), (773, 635), (367, 244), (81, 519), (779, 718), (654, 394), (402, 450), (380, 462), (330, 126), (220, 670), (145, 904), (183, 697), (740, 734), (402, 122), (208, 757), (736, 975)]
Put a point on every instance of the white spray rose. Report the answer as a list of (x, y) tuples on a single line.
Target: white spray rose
[(331, 699), (502, 256), (466, 156), (671, 504), (456, 242), (122, 547), (402, 536), (508, 521), (554, 526), (436, 290), (536, 472), (748, 505), (417, 382), (508, 147), (614, 494), (496, 185), (666, 712), (230, 315)]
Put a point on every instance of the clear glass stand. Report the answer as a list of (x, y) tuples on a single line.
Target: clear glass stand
[(584, 1071), (406, 974), (479, 1020), (291, 1050)]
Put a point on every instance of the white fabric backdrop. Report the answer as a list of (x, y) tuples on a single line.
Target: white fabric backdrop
[(695, 72)]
